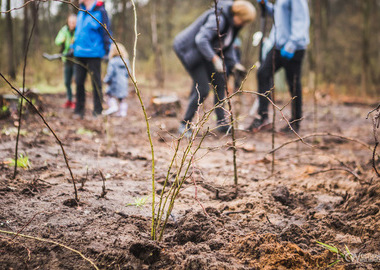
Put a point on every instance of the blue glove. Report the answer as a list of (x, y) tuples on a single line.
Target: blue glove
[(285, 54), (259, 1)]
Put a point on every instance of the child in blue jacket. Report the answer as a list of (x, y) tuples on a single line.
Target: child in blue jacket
[(117, 81)]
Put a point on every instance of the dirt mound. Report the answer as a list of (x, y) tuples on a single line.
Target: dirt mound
[(194, 227), (267, 251)]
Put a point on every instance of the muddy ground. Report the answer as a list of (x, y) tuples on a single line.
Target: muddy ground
[(273, 223)]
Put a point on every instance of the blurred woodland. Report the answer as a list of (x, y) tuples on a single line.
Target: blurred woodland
[(343, 55)]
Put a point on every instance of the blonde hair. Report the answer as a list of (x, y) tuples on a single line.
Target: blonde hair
[(114, 52), (244, 10)]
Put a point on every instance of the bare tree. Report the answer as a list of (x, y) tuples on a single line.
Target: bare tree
[(37, 41), (9, 29), (157, 50), (366, 35), (26, 26)]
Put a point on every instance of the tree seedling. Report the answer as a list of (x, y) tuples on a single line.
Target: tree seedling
[(13, 131), (22, 162), (139, 202), (336, 251), (83, 131)]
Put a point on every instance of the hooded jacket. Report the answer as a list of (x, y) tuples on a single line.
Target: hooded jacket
[(117, 77), (200, 41), (90, 39)]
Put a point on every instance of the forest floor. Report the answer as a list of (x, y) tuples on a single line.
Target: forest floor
[(327, 193)]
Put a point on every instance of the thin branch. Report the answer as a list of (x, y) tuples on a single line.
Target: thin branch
[(50, 129), (321, 135), (337, 169), (227, 94), (26, 225), (52, 242), (23, 91)]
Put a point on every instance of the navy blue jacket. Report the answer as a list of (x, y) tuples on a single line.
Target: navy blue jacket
[(200, 41), (90, 39)]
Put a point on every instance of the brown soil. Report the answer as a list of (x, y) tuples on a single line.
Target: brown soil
[(272, 223)]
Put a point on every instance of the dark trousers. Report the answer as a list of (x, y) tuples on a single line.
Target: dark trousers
[(202, 75), (91, 65), (68, 73), (293, 77)]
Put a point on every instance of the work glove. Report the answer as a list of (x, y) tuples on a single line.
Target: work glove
[(218, 64), (288, 50), (285, 54)]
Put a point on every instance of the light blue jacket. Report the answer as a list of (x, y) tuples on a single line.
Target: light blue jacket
[(292, 21), (117, 78)]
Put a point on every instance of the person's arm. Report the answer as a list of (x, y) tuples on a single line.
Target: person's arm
[(110, 72), (300, 21), (61, 37), (207, 34)]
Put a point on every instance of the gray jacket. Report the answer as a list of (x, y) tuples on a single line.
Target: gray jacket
[(200, 41), (117, 78)]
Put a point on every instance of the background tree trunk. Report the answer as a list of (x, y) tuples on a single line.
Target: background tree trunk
[(123, 20), (26, 27), (157, 51), (9, 34), (365, 73), (36, 35)]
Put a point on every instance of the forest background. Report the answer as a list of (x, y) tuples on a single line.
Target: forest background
[(342, 58)]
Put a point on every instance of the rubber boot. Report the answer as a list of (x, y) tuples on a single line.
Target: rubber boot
[(113, 106), (123, 109)]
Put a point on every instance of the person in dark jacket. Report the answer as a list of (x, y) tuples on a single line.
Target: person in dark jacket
[(198, 48), (91, 43), (290, 36)]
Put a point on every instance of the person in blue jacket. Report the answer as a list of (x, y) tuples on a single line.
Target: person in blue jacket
[(290, 36), (91, 43), (198, 48)]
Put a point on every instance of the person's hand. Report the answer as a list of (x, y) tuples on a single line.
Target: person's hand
[(287, 55), (218, 64)]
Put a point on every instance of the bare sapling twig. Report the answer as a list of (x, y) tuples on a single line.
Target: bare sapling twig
[(104, 191), (23, 91), (50, 129), (181, 174), (52, 242), (337, 169), (321, 134), (231, 114), (375, 124), (23, 227), (138, 93), (180, 180), (273, 92)]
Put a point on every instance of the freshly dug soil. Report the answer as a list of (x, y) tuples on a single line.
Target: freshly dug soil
[(327, 193)]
